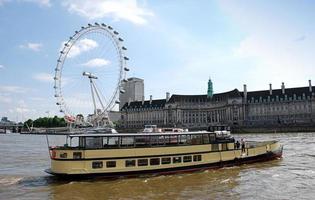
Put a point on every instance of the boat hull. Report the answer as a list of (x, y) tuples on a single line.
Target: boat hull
[(271, 155)]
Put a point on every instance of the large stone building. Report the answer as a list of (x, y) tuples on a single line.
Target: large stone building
[(235, 108)]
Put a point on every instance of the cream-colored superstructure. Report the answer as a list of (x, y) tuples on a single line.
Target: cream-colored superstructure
[(167, 157)]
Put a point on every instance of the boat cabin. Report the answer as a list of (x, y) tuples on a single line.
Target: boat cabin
[(117, 141)]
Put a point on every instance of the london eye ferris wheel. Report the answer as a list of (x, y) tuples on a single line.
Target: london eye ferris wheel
[(89, 74)]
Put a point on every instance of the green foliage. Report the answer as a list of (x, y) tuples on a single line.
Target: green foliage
[(46, 122)]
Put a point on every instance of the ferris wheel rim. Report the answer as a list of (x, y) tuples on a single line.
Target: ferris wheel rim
[(110, 33)]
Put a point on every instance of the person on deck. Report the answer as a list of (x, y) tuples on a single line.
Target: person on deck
[(237, 144), (243, 145)]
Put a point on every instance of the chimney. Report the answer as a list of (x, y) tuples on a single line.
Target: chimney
[(245, 91), (129, 101), (282, 88), (150, 99), (142, 100), (310, 85), (270, 89), (167, 96)]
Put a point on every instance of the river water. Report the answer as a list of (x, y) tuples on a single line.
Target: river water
[(24, 157)]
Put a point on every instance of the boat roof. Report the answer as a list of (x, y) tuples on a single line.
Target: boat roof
[(135, 134)]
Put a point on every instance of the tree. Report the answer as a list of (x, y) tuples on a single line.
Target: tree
[(46, 122)]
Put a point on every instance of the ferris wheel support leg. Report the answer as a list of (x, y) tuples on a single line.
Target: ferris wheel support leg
[(91, 84), (98, 96)]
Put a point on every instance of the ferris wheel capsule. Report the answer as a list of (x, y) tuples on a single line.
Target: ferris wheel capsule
[(122, 91), (126, 69), (124, 48)]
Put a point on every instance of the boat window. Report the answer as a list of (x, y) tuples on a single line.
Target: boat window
[(113, 141), (196, 139), (154, 161), (177, 159), (212, 137), (81, 142), (183, 139), (93, 142), (197, 158), (166, 160), (187, 159), (110, 164), (169, 140), (130, 163), (224, 146), (154, 140), (74, 142), (141, 141), (214, 147), (143, 162), (205, 138), (97, 164), (77, 155), (127, 141), (105, 141), (63, 155)]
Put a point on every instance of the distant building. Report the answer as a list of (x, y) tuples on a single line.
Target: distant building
[(133, 91), (267, 107)]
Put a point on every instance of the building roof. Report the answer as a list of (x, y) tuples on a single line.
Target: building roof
[(158, 103), (289, 92), (204, 98)]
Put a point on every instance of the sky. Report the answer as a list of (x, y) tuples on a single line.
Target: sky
[(175, 46)]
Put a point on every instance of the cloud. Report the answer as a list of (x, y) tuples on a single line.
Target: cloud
[(45, 3), (5, 99), (44, 77), (13, 89), (32, 46), (128, 10), (81, 46), (273, 42), (1, 66), (42, 3), (96, 62)]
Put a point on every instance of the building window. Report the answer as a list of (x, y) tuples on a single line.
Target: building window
[(110, 164), (143, 162), (187, 159), (97, 164), (130, 163), (166, 160), (154, 161), (177, 159), (197, 158)]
